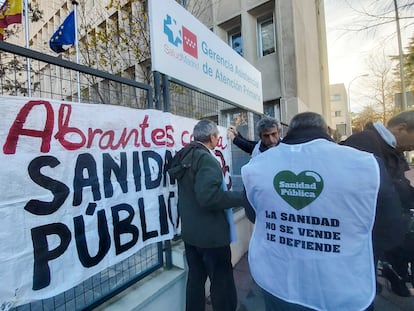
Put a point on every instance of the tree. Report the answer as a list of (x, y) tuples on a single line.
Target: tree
[(368, 114), (122, 39), (116, 39), (374, 15), (35, 14), (12, 67), (380, 85), (408, 67)]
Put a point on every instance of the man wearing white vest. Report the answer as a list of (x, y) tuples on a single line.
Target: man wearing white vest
[(312, 244), (269, 130)]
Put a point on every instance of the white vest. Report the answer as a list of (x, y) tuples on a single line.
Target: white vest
[(256, 149), (315, 209)]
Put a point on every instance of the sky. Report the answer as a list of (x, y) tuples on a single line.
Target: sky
[(348, 50)]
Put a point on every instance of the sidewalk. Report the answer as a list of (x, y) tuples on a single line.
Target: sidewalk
[(250, 298), (248, 293)]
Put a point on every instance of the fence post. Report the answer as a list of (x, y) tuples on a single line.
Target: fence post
[(166, 93), (168, 254), (157, 87)]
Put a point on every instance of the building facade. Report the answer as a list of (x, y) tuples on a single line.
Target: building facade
[(340, 114), (284, 39), (286, 42)]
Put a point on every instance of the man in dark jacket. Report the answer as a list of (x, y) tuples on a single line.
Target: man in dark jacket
[(205, 230), (269, 134), (388, 143)]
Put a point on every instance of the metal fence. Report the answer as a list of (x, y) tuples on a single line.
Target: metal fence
[(104, 285), (55, 78), (52, 77)]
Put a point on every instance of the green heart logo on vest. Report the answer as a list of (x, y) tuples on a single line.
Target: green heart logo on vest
[(298, 190)]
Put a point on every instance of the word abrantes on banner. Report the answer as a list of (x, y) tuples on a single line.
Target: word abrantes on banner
[(116, 175)]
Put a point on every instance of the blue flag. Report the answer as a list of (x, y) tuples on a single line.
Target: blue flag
[(64, 35)]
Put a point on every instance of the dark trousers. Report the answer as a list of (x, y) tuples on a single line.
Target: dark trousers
[(216, 264), (400, 256)]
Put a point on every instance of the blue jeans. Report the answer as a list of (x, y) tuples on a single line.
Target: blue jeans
[(216, 264)]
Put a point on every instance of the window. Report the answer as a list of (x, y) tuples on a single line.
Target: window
[(183, 3), (144, 13), (341, 128), (126, 20), (335, 97), (240, 119), (113, 28), (338, 113), (235, 40), (272, 109), (269, 110), (266, 35)]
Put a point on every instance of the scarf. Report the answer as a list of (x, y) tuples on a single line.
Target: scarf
[(386, 135)]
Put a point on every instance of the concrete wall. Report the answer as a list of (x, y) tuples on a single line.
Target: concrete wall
[(339, 102), (307, 54), (297, 73), (165, 289), (162, 290)]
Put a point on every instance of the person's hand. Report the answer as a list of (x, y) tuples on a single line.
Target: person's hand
[(231, 132)]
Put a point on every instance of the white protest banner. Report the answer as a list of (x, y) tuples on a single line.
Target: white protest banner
[(185, 49), (83, 187)]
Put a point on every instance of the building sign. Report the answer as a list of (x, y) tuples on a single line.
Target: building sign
[(80, 194), (183, 48)]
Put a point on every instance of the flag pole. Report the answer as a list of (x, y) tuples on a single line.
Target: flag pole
[(26, 30), (75, 4)]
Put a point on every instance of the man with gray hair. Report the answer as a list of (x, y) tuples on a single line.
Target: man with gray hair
[(205, 230), (269, 134), (388, 143), (315, 211)]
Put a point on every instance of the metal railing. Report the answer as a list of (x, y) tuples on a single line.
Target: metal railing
[(55, 78)]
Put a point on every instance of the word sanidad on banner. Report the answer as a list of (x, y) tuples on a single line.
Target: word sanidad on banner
[(87, 192)]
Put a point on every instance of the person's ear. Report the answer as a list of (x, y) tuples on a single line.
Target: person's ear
[(401, 127)]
